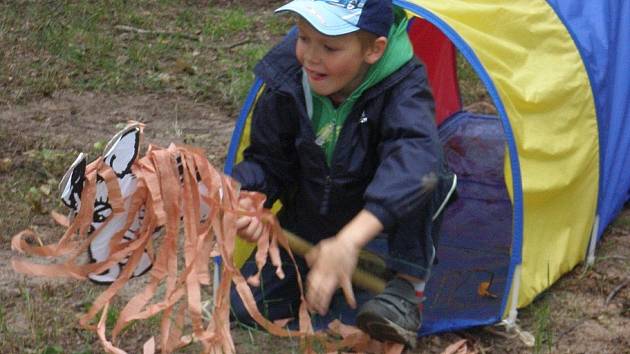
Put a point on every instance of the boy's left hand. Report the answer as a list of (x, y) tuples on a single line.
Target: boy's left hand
[(248, 227), (332, 262)]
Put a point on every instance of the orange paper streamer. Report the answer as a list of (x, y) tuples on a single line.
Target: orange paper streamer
[(172, 184)]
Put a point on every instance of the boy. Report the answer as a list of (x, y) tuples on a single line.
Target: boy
[(344, 136)]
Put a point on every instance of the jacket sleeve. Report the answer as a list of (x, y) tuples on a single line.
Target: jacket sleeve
[(409, 151), (268, 163)]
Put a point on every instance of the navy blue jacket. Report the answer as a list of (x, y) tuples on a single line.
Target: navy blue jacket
[(387, 144)]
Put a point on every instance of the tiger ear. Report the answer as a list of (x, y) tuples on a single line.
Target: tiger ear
[(71, 184), (122, 150)]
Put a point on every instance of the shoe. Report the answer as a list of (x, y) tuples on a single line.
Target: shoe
[(392, 315)]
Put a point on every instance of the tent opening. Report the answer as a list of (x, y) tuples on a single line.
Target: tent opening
[(472, 277), (469, 281)]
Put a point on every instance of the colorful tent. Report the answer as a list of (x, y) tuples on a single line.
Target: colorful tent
[(538, 182)]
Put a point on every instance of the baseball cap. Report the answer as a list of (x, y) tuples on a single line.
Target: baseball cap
[(337, 17)]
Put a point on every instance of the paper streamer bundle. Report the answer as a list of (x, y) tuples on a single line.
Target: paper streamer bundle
[(145, 215)]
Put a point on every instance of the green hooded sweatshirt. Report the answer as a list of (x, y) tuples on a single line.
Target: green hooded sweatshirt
[(328, 120)]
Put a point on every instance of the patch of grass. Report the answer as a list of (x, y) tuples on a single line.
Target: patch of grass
[(623, 222), (4, 328), (112, 316), (31, 166), (77, 45), (543, 327), (254, 340), (279, 25), (471, 87), (222, 23), (30, 183), (55, 349), (35, 319), (199, 50)]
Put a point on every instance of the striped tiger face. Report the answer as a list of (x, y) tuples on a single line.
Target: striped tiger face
[(120, 154)]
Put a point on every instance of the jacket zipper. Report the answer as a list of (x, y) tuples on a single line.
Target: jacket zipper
[(325, 205)]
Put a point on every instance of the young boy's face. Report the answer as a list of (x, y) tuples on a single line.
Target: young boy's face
[(335, 65)]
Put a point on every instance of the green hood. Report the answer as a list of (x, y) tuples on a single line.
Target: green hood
[(328, 120)]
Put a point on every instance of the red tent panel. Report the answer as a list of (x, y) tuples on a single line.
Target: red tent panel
[(439, 55)]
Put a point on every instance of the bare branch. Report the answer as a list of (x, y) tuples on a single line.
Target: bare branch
[(616, 290), (229, 45), (156, 32), (181, 35)]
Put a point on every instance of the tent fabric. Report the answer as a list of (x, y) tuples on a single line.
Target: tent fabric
[(536, 178), (438, 54), (542, 92), (601, 30)]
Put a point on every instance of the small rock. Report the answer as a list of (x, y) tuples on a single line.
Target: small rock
[(12, 292), (5, 164)]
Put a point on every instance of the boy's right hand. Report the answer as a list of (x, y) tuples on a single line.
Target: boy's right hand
[(249, 228)]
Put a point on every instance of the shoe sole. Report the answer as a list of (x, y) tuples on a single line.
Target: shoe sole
[(383, 329)]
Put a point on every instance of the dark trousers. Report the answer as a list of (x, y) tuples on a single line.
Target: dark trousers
[(276, 298), (280, 298)]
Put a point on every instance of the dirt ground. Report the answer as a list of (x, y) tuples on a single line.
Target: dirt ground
[(587, 311)]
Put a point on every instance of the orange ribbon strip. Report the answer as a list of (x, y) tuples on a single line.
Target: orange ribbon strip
[(171, 198)]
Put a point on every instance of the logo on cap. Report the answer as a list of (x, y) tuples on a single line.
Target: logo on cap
[(348, 4)]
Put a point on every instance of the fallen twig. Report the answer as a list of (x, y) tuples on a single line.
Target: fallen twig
[(124, 28), (616, 291), (229, 45), (191, 37)]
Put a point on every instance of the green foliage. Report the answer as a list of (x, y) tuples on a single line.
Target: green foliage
[(112, 317), (543, 327), (4, 328), (623, 221), (279, 25), (222, 23), (52, 161), (55, 349), (471, 87)]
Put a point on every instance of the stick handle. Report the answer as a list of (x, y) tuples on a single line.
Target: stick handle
[(360, 278)]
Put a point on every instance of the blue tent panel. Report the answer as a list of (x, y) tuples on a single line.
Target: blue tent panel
[(477, 229), (601, 30)]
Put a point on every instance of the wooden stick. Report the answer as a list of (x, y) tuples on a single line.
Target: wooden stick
[(360, 278)]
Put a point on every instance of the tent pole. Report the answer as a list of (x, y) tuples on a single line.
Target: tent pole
[(510, 322), (590, 259)]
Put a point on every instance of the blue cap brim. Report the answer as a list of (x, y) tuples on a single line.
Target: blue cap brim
[(321, 16)]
